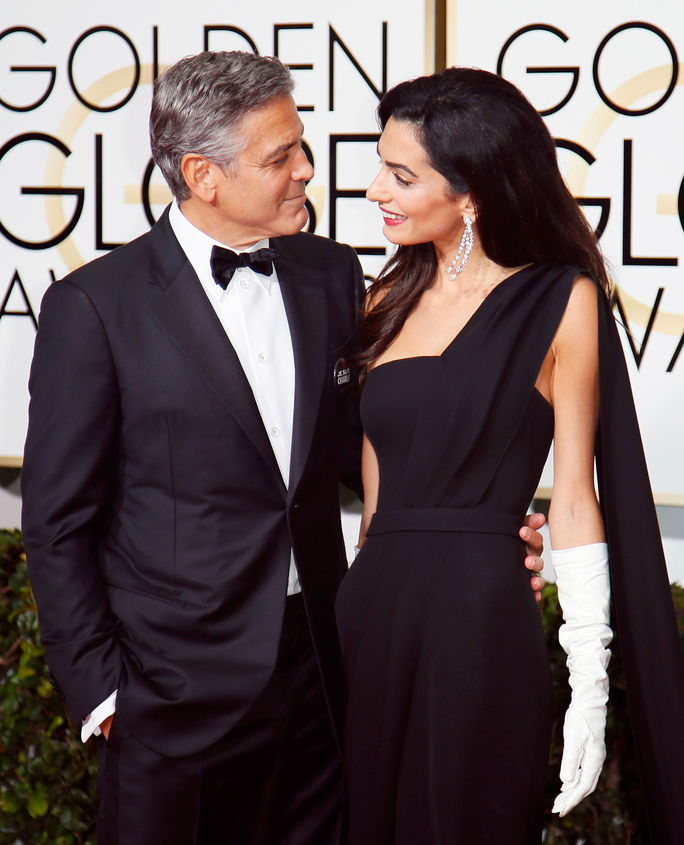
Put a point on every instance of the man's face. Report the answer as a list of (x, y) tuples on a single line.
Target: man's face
[(262, 194)]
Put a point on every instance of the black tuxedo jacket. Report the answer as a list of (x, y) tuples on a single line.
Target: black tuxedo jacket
[(156, 522)]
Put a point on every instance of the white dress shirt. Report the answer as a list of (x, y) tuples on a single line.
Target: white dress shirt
[(252, 313)]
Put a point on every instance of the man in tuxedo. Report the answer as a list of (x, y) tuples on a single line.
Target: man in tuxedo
[(188, 429)]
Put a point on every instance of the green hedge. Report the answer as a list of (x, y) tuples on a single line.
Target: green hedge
[(47, 777)]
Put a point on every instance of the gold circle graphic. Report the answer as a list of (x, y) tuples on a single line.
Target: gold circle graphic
[(598, 123)]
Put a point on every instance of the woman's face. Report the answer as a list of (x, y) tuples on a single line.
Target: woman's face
[(414, 199)]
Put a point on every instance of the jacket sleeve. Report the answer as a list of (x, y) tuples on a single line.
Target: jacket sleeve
[(67, 483), (643, 609)]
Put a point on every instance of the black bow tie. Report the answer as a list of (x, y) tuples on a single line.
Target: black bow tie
[(224, 262)]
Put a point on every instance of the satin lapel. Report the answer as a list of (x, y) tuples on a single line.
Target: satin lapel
[(306, 308), (187, 316)]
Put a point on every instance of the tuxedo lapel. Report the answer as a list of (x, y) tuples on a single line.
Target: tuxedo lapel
[(306, 308), (186, 315)]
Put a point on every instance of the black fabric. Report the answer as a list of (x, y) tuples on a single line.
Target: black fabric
[(642, 605), (224, 263), (450, 702), (276, 779)]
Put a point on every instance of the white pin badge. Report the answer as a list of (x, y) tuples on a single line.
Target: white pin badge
[(341, 372)]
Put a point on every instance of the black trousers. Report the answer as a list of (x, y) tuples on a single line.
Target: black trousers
[(276, 779)]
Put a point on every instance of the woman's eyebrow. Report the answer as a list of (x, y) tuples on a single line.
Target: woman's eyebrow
[(396, 165)]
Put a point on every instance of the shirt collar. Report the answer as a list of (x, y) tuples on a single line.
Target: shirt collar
[(197, 246)]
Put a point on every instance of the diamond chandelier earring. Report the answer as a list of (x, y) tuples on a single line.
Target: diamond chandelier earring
[(463, 251)]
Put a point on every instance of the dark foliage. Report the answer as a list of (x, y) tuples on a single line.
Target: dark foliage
[(47, 777)]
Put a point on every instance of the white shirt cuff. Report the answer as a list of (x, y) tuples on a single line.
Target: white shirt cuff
[(91, 723)]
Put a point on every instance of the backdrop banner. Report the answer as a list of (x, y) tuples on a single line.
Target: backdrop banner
[(76, 177), (606, 78)]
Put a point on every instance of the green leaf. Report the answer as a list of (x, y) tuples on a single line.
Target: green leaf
[(37, 803), (45, 689), (26, 672), (9, 804), (57, 722)]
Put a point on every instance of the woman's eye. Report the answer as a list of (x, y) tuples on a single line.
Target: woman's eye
[(400, 180)]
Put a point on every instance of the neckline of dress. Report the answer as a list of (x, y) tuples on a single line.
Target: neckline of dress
[(468, 323)]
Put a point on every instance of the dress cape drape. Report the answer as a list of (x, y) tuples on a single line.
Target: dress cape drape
[(643, 613)]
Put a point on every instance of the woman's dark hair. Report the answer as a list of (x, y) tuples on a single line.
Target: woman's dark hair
[(485, 138)]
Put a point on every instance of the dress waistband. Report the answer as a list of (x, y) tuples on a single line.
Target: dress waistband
[(478, 520)]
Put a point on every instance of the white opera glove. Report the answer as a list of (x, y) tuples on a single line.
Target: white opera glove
[(584, 596)]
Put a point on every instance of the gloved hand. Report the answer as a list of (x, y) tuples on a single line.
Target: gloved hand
[(584, 596)]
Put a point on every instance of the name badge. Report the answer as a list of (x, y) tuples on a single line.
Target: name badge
[(341, 372)]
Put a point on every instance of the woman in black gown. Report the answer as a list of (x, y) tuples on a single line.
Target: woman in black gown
[(480, 344)]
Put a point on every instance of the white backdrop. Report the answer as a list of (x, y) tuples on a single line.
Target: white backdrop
[(74, 153), (50, 139), (608, 76)]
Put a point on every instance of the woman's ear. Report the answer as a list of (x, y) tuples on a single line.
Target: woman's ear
[(468, 208)]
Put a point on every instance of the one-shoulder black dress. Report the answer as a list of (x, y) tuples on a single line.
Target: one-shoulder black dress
[(449, 693)]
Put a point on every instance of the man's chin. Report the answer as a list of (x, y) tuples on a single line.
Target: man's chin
[(294, 223)]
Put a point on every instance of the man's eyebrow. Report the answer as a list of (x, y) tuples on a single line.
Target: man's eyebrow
[(396, 165), (283, 148)]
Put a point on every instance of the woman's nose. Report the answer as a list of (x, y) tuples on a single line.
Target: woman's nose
[(376, 191)]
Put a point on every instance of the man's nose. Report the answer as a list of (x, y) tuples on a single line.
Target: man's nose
[(303, 170)]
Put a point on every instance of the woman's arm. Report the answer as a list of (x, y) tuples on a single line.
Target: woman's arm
[(370, 475), (579, 555), (574, 515)]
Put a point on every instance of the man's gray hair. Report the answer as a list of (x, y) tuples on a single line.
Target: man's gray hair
[(199, 103)]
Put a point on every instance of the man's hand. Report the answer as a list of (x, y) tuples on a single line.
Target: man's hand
[(105, 726), (534, 546)]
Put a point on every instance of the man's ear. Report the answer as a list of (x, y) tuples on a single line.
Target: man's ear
[(200, 176)]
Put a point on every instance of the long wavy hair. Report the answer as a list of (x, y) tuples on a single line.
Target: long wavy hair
[(485, 138)]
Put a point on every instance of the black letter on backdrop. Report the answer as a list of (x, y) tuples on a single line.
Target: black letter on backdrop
[(639, 353), (276, 35), (155, 53), (313, 222), (350, 193), (145, 189), (544, 27), (674, 358), (673, 56), (79, 193), (225, 28), (100, 243), (627, 257), (333, 39), (70, 68), (30, 69), (16, 281), (598, 202)]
